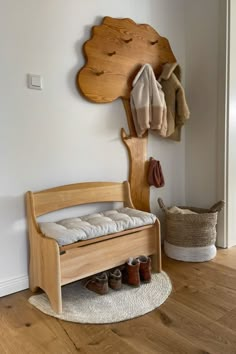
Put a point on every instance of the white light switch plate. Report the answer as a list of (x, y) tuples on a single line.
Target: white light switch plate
[(35, 82)]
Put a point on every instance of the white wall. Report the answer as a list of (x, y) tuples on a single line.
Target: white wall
[(202, 90), (232, 129), (54, 136), (205, 87)]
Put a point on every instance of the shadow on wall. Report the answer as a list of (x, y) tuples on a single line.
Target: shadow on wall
[(13, 236), (115, 121), (72, 74), (13, 218)]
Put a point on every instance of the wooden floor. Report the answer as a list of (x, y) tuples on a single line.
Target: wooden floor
[(198, 317)]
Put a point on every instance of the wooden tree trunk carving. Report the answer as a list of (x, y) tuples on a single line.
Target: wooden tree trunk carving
[(138, 164)]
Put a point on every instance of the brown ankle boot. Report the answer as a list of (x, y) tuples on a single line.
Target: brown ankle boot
[(115, 279), (98, 283), (132, 269), (145, 269)]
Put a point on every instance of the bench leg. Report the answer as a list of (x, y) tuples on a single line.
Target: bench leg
[(45, 270), (156, 258), (51, 273), (54, 296)]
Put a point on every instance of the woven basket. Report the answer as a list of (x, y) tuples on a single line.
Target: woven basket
[(191, 237)]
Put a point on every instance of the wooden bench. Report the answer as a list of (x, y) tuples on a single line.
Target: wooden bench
[(52, 266)]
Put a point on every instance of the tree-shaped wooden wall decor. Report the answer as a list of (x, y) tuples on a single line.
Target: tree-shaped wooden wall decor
[(114, 54)]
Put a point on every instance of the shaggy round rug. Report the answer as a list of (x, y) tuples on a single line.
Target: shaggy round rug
[(84, 306)]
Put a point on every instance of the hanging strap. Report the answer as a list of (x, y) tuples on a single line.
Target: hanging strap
[(217, 207), (162, 205)]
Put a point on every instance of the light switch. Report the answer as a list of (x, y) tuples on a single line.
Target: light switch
[(35, 82)]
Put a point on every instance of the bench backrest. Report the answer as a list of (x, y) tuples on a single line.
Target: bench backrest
[(53, 199)]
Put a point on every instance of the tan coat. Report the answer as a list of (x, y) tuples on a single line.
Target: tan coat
[(177, 109), (147, 103)]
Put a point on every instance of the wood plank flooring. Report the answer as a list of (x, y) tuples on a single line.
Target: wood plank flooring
[(198, 317)]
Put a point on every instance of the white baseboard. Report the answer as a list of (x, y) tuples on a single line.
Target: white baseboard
[(13, 285)]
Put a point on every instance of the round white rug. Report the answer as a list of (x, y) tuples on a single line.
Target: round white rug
[(84, 306)]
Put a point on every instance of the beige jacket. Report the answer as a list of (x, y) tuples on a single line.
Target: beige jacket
[(177, 109), (147, 103)]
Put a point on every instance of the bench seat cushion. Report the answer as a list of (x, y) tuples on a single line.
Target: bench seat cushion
[(71, 230)]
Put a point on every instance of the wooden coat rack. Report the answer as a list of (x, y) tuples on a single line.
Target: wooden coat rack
[(114, 54)]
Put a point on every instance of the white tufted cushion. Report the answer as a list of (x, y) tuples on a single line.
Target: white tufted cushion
[(85, 227)]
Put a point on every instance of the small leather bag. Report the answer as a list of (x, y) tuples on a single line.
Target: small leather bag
[(155, 175)]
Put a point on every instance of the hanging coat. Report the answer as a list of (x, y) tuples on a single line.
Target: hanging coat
[(177, 108), (148, 103)]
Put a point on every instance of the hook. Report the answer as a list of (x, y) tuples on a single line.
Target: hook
[(128, 40), (98, 73), (154, 42), (112, 53)]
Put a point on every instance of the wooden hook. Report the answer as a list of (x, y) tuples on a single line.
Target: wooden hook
[(112, 53), (128, 40), (98, 73), (154, 42)]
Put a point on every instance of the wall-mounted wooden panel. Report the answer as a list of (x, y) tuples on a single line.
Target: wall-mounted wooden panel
[(115, 53)]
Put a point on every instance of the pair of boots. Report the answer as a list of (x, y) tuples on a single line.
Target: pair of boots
[(137, 270), (100, 283)]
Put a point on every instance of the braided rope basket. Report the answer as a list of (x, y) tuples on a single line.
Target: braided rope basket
[(191, 237)]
